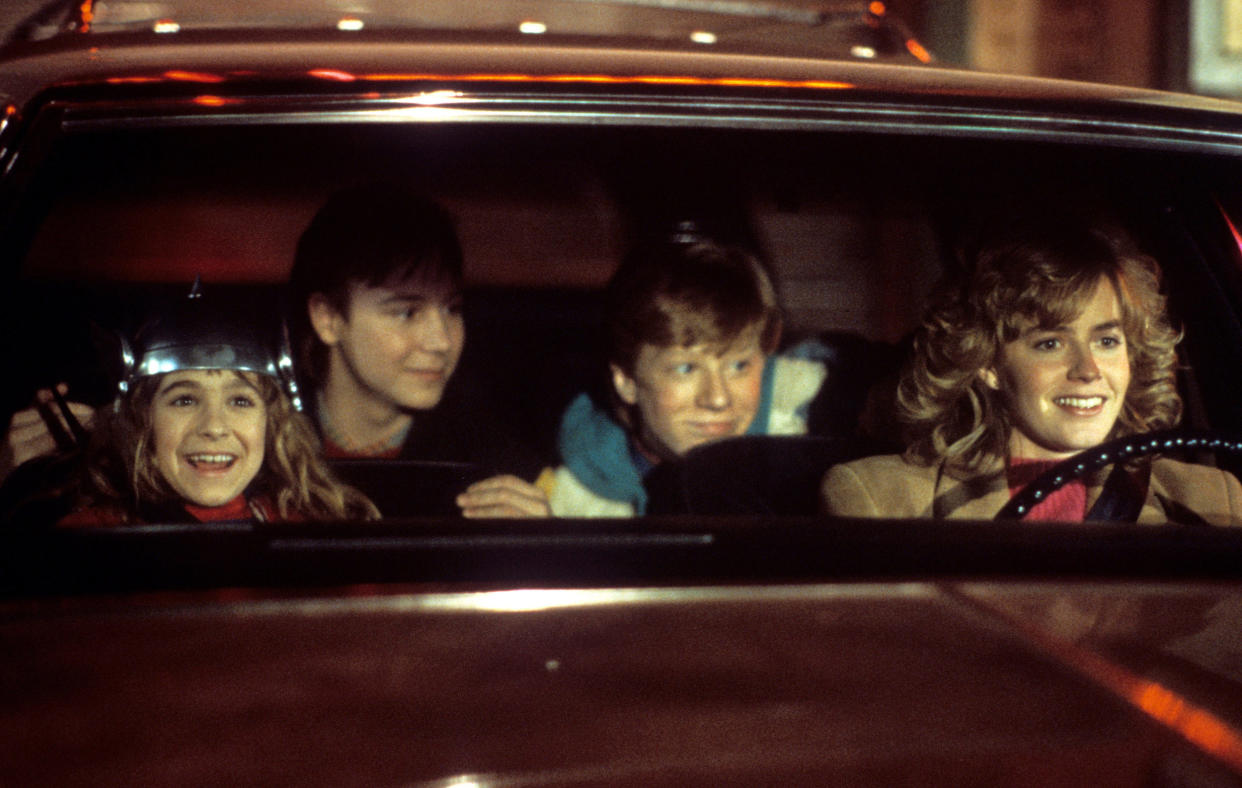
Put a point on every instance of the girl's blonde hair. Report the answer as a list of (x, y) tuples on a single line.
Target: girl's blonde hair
[(123, 473), (1045, 279)]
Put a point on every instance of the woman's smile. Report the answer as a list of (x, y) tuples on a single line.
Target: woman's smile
[(1064, 386)]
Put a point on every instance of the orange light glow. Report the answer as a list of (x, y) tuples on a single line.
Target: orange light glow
[(10, 110), (612, 80), (877, 8), (86, 15), (193, 76), (130, 80), (210, 101), (1168, 708), (328, 73), (1198, 726), (1237, 236), (918, 51)]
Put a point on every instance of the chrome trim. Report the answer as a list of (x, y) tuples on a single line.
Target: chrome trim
[(739, 8), (667, 112), (475, 541), (534, 600)]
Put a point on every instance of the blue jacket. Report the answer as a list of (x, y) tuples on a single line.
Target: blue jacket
[(603, 472)]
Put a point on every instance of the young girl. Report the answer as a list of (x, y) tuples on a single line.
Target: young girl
[(204, 431), (1053, 339)]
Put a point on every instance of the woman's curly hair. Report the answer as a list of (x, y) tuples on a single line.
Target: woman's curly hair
[(1044, 277), (122, 473)]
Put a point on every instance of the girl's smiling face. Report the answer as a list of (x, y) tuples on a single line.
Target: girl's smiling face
[(209, 428), (1065, 385)]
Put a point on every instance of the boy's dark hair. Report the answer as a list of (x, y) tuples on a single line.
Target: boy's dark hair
[(369, 234), (683, 292)]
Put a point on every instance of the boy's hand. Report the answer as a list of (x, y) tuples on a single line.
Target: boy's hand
[(503, 496), (28, 435)]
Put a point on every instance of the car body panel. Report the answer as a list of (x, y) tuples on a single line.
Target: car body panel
[(220, 59), (870, 684)]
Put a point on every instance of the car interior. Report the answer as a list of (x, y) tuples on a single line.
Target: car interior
[(855, 227)]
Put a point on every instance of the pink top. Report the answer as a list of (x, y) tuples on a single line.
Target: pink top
[(1067, 504)]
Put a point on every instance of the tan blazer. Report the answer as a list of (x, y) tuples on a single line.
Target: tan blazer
[(888, 486)]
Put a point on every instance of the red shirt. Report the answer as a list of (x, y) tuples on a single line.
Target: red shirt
[(333, 452), (236, 509), (1067, 504)]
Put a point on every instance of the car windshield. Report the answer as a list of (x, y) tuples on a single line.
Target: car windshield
[(857, 232)]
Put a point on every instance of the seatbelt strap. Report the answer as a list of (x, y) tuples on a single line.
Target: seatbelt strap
[(1120, 500)]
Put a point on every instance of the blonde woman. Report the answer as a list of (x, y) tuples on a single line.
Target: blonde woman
[(1053, 339)]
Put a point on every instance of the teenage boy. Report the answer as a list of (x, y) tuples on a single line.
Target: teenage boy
[(376, 317), (376, 308), (691, 327)]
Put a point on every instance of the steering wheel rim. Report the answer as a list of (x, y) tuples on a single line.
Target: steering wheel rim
[(1108, 453)]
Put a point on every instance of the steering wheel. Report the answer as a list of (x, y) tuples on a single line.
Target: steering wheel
[(1114, 451)]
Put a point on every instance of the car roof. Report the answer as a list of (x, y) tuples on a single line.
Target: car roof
[(850, 28), (227, 45), (580, 81)]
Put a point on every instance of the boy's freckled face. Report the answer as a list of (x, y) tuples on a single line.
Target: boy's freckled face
[(688, 396)]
